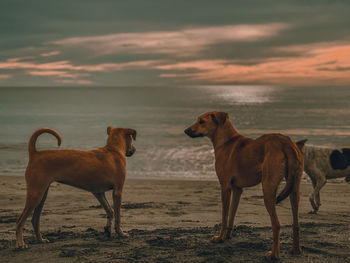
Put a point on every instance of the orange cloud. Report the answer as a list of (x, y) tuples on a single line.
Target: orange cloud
[(312, 64), (49, 54), (5, 76), (68, 73), (15, 63), (181, 43), (324, 65), (75, 81), (56, 73)]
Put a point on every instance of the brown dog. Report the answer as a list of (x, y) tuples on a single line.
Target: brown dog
[(95, 171), (242, 162)]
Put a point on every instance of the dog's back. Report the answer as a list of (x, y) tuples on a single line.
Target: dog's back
[(318, 159), (71, 166)]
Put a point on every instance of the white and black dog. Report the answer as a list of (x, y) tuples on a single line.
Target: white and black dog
[(322, 163)]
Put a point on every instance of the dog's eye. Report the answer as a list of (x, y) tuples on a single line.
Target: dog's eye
[(201, 121)]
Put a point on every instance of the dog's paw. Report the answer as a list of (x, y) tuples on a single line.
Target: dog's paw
[(44, 240), (296, 251), (21, 246), (313, 204), (228, 235), (217, 239), (313, 212), (122, 234), (270, 256), (347, 179), (107, 231)]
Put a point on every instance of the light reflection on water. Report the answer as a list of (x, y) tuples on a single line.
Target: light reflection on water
[(235, 95)]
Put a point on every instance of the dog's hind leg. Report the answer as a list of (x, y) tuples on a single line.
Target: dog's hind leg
[(103, 201), (314, 198), (272, 173), (311, 196), (294, 201), (235, 197), (318, 188), (36, 219), (270, 204), (35, 194)]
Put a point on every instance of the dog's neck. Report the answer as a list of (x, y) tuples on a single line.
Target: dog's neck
[(224, 133), (119, 148)]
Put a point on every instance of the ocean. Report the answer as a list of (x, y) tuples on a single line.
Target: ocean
[(160, 114)]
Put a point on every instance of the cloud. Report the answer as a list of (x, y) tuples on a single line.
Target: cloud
[(322, 64), (56, 73), (15, 63), (184, 42), (325, 63), (68, 72), (49, 54), (75, 81), (5, 76)]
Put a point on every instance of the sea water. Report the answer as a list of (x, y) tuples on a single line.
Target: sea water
[(160, 114)]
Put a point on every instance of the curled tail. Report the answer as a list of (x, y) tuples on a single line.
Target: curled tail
[(295, 163), (36, 134)]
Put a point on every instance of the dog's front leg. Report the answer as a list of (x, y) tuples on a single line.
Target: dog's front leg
[(235, 197), (117, 202), (104, 203), (225, 199)]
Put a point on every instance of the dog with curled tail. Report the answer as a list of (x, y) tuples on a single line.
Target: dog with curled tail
[(243, 162), (95, 171)]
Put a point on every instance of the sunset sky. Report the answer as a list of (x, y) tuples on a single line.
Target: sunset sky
[(166, 42)]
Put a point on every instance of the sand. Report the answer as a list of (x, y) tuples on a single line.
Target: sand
[(172, 221)]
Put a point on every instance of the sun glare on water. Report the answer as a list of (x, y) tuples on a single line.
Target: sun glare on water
[(235, 94)]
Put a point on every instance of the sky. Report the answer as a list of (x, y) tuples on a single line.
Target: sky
[(167, 42)]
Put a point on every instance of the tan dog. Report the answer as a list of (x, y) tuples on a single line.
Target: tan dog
[(242, 162), (323, 163), (95, 171)]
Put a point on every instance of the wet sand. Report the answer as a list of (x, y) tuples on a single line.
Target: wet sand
[(172, 221)]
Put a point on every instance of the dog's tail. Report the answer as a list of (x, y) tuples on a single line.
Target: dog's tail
[(36, 134), (295, 166), (301, 144)]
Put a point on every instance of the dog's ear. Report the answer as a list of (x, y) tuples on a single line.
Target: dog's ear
[(219, 117), (346, 153), (222, 116), (109, 128), (131, 132), (214, 118), (337, 160), (300, 144)]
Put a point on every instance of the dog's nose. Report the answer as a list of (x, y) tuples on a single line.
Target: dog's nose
[(131, 152), (188, 131)]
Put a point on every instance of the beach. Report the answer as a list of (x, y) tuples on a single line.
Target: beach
[(172, 221), (108, 79)]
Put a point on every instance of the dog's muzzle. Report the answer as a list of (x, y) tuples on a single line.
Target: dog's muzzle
[(191, 133), (130, 152)]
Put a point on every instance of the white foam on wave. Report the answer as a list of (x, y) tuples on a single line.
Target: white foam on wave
[(179, 161)]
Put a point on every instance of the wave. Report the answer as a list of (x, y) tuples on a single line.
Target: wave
[(13, 146), (319, 132)]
